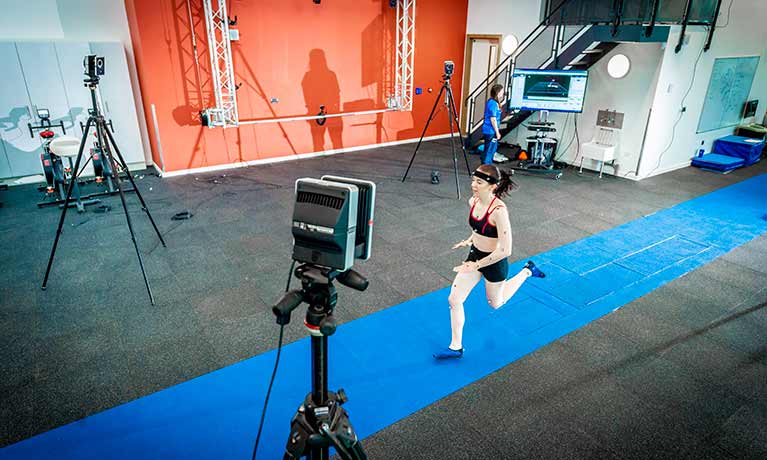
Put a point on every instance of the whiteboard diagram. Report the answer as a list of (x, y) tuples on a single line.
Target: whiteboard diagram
[(728, 90)]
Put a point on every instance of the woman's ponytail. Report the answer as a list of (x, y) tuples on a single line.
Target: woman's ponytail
[(505, 184)]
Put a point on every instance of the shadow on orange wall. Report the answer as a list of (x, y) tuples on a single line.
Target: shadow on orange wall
[(321, 91), (378, 65), (342, 55)]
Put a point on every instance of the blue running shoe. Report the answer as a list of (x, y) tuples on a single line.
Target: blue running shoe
[(534, 270), (448, 353)]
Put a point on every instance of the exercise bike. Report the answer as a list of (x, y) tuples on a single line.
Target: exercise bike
[(57, 174)]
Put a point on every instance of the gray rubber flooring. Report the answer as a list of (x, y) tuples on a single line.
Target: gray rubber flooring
[(678, 373)]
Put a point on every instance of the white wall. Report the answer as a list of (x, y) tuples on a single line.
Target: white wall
[(34, 19), (653, 72), (745, 35), (632, 95), (518, 17), (76, 20)]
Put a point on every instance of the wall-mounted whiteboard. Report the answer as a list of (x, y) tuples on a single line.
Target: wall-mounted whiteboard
[(728, 90)]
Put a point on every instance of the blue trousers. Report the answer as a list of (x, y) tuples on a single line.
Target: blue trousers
[(491, 145)]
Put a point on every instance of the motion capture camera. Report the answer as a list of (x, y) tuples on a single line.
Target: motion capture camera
[(449, 68), (93, 65), (333, 221)]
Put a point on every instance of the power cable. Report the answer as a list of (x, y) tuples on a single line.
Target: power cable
[(269, 391), (729, 8), (682, 110)]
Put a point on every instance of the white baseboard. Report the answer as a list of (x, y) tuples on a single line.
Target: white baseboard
[(40, 178), (299, 156), (668, 169)]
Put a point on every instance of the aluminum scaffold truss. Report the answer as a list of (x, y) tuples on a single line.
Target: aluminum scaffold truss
[(405, 54), (224, 114), (222, 70)]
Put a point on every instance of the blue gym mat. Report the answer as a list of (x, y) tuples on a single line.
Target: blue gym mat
[(383, 360), (718, 163)]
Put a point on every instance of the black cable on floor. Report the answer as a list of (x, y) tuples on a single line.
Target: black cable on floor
[(268, 392)]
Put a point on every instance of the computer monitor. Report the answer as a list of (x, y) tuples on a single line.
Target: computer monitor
[(553, 90), (749, 108)]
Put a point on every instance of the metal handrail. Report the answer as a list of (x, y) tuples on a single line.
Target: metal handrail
[(509, 63), (525, 43), (522, 46)]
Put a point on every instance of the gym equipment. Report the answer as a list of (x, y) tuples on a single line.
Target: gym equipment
[(107, 142), (718, 163), (541, 148), (58, 175), (101, 167), (749, 149), (452, 118)]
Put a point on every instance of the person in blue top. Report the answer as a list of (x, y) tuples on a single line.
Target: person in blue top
[(491, 128)]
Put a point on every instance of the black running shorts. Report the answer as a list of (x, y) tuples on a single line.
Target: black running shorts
[(494, 273)]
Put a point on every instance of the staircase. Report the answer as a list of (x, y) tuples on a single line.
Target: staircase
[(563, 41)]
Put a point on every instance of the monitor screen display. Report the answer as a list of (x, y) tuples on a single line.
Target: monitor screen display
[(749, 109), (554, 90)]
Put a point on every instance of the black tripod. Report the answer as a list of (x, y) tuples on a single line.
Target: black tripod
[(107, 142), (453, 118), (320, 421)]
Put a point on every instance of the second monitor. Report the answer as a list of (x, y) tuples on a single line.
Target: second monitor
[(553, 90)]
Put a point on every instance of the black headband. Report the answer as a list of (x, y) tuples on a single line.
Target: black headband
[(486, 177)]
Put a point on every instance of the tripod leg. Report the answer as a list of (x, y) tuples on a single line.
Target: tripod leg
[(460, 136), (100, 128), (130, 178), (452, 147), (436, 101), (66, 204)]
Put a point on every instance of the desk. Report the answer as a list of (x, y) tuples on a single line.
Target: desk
[(740, 147), (752, 130)]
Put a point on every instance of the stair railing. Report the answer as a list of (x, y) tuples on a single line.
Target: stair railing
[(544, 44)]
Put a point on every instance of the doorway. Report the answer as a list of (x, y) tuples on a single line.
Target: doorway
[(483, 53)]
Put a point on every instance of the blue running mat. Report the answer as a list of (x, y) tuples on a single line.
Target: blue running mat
[(384, 361)]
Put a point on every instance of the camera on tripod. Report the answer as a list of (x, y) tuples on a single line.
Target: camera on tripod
[(93, 65), (449, 68), (333, 221), (332, 226)]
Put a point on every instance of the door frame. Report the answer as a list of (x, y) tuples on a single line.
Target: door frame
[(498, 38)]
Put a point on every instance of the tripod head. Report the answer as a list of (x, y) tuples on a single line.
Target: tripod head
[(318, 291)]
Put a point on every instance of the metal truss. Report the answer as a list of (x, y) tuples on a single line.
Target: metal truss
[(222, 70), (405, 54)]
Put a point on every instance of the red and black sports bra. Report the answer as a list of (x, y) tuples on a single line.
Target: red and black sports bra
[(483, 225)]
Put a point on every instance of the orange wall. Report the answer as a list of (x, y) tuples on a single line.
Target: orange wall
[(339, 54)]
